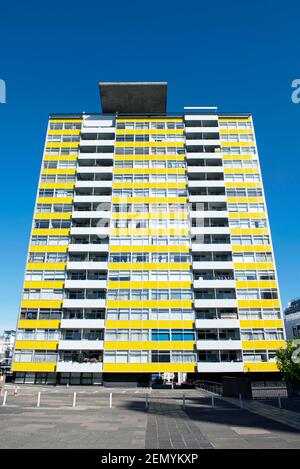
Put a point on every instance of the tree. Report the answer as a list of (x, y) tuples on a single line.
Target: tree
[(288, 362)]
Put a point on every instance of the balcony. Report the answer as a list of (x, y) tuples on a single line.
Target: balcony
[(214, 283), (78, 284), (219, 344), (215, 303), (92, 198), (94, 170), (217, 323), (206, 183), (87, 265), (82, 184)]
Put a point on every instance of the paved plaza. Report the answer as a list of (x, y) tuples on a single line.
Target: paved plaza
[(164, 423)]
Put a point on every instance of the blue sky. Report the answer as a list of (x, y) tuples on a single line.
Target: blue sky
[(240, 56)]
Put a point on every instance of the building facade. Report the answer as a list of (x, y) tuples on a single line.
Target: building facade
[(7, 342), (292, 319), (150, 249)]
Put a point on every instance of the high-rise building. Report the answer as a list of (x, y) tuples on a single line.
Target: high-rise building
[(150, 250), (292, 319)]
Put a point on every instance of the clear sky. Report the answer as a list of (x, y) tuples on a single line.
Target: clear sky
[(240, 56)]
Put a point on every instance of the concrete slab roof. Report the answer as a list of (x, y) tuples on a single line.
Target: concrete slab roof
[(133, 97)]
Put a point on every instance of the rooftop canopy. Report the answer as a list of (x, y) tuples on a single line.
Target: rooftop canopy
[(146, 97)]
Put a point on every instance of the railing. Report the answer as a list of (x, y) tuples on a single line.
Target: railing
[(211, 386)]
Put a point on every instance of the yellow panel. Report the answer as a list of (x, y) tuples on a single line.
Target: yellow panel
[(260, 367), (235, 131), (60, 120), (237, 144), (38, 324), (245, 199), (240, 215), (261, 324), (241, 171), (258, 304), (250, 248), (235, 119), (230, 157), (50, 232), (149, 304), (148, 266), (254, 266), (64, 132), (147, 285), (52, 216), (149, 367), (51, 284), (55, 200), (149, 345), (60, 157), (249, 231), (256, 284), (46, 266), (263, 344), (243, 185), (32, 367), (41, 304), (62, 144), (36, 345), (57, 185), (149, 171), (48, 248), (59, 171), (149, 324)]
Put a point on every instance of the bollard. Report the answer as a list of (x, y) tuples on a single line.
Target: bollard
[(38, 400), (279, 402), (183, 401), (4, 399), (241, 401), (74, 400), (146, 402), (110, 400), (213, 401), (16, 390)]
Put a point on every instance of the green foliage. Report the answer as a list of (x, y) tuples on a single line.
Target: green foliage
[(288, 361)]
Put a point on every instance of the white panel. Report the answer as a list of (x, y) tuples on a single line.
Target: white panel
[(92, 198), (82, 324), (96, 284), (209, 214), (214, 283), (215, 303), (205, 169), (104, 184), (217, 324), (93, 230), (211, 247), (200, 117), (207, 198), (94, 169), (67, 303), (102, 143), (212, 265), (196, 155), (223, 367), (194, 142), (91, 214), (195, 184), (87, 266), (219, 345), (200, 129), (72, 367), (210, 230), (88, 247), (95, 156), (80, 345)]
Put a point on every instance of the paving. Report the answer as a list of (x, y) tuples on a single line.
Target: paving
[(166, 422)]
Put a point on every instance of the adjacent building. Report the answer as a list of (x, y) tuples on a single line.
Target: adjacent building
[(292, 319), (150, 252), (7, 341)]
